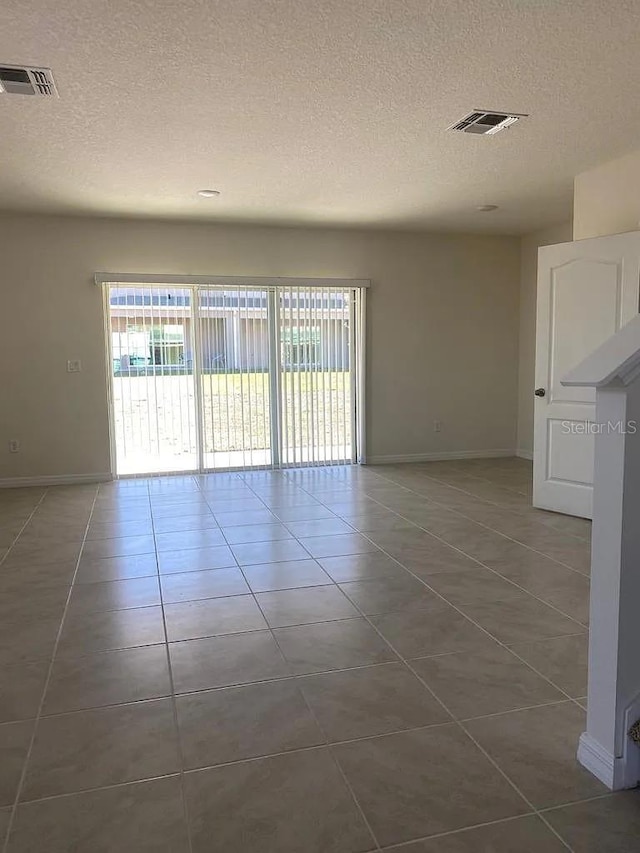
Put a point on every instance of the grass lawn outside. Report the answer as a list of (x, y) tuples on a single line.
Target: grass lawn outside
[(155, 418)]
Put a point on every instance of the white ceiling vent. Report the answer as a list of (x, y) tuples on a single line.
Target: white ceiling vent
[(485, 122), (25, 80)]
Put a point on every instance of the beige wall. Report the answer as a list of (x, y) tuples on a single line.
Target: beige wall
[(527, 345), (606, 199), (442, 344)]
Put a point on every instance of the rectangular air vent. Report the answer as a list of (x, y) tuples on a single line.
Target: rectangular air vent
[(25, 80), (486, 122)]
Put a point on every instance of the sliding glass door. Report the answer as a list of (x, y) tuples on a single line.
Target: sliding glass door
[(224, 378), (151, 346), (316, 328), (234, 378)]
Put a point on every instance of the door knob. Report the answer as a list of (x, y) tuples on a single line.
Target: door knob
[(540, 392)]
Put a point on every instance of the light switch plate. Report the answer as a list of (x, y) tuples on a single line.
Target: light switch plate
[(74, 366)]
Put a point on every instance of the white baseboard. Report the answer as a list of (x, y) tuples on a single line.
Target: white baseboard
[(439, 457), (525, 454), (53, 480), (616, 773)]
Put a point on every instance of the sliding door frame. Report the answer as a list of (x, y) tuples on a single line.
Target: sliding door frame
[(357, 354), (275, 377)]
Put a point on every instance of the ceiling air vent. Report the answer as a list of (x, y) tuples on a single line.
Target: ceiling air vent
[(25, 80), (485, 122)]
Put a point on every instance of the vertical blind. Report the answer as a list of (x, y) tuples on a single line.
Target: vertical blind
[(230, 378)]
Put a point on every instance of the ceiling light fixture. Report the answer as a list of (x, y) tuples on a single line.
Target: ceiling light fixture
[(486, 208), (208, 193)]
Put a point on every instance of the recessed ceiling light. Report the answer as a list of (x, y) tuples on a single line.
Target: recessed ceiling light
[(486, 208), (208, 193)]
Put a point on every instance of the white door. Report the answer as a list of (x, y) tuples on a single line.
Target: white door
[(587, 290)]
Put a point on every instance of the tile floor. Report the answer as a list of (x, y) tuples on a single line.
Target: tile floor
[(320, 661)]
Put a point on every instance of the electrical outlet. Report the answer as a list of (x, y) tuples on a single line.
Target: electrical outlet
[(14, 445), (437, 426), (74, 366)]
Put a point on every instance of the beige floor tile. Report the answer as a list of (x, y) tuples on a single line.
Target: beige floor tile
[(146, 817), (259, 719), (43, 575), (210, 617), (370, 701), (563, 659), (319, 527), (405, 783), (19, 603), (21, 687), (107, 678), (117, 568), (520, 620), (354, 567), (338, 546), (118, 529), (564, 588), (84, 633), (220, 504), (5, 817), (195, 559), (27, 640), (277, 501), (14, 744), (126, 546), (486, 681), (434, 560), (454, 516), (537, 748), (430, 631), (400, 593), (302, 606), (607, 825), (521, 835), (32, 555), (472, 587), (184, 540), (376, 523), (255, 553), (282, 804), (211, 583), (289, 575), (176, 524), (179, 506), (332, 645), (51, 534), (239, 518), (104, 746), (114, 595), (228, 660), (121, 513), (247, 533), (307, 512)]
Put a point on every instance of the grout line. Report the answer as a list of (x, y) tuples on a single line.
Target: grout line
[(20, 532), (318, 724), (484, 525), (316, 747), (333, 475), (27, 757), (457, 722), (466, 829), (478, 625), (174, 707)]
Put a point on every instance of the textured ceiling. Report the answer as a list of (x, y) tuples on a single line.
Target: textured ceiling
[(317, 111)]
